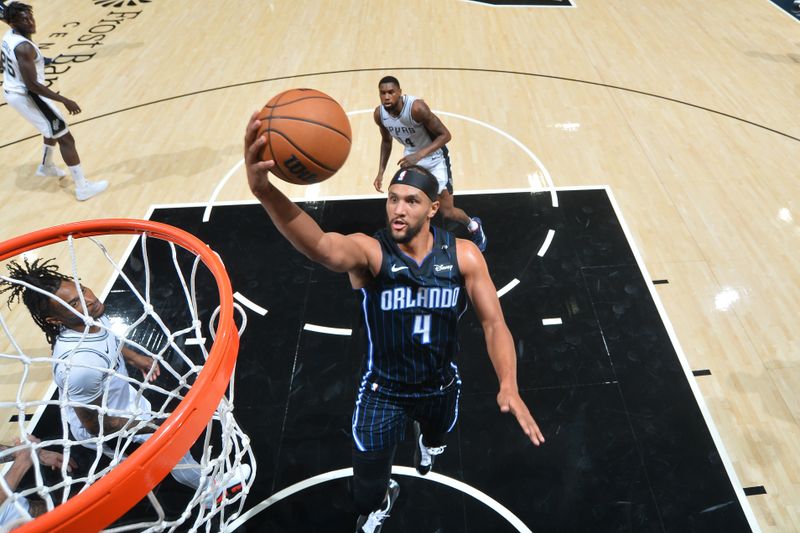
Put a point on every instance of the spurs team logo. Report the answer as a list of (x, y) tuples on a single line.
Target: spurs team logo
[(401, 130), (121, 3)]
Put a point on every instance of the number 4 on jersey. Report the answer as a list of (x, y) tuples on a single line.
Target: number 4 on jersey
[(422, 326)]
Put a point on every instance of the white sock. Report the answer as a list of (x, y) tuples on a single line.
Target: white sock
[(187, 471), (77, 176), (472, 227), (47, 155)]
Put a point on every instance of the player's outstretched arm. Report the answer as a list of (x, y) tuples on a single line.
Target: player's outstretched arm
[(20, 466), (340, 253), (499, 342)]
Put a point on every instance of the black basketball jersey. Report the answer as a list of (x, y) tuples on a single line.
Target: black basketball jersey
[(411, 313)]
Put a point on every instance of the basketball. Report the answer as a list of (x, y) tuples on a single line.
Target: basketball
[(308, 135)]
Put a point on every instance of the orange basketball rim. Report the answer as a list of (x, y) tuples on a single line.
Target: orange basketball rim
[(129, 482)]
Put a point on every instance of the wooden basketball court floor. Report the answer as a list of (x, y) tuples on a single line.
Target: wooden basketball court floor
[(687, 112)]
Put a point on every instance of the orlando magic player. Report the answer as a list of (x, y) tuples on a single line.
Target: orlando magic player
[(25, 91), (423, 136), (413, 280)]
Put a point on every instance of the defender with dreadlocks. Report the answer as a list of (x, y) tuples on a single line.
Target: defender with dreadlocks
[(89, 360)]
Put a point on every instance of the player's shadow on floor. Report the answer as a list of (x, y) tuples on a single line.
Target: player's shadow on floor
[(189, 163)]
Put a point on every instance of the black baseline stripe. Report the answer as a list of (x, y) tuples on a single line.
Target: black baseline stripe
[(702, 372), (434, 69), (660, 281)]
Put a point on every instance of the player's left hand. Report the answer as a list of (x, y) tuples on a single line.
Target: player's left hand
[(510, 402), (52, 459), (144, 364), (257, 170), (72, 106), (55, 460), (409, 160)]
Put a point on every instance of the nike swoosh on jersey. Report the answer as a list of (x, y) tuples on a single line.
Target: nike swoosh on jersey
[(396, 268)]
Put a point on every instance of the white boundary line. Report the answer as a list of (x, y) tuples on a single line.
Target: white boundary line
[(783, 10), (330, 331), (218, 189), (510, 285), (398, 470), (547, 240), (242, 299), (737, 485), (550, 186), (551, 322)]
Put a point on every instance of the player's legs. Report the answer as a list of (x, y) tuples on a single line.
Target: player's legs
[(378, 425), (441, 171), (371, 473), (66, 144), (45, 116), (47, 166), (47, 120), (449, 211), (434, 417), (187, 471), (447, 208), (84, 189)]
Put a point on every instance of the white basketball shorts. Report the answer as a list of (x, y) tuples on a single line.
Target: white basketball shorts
[(39, 111)]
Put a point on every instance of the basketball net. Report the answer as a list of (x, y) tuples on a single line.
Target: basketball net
[(190, 404)]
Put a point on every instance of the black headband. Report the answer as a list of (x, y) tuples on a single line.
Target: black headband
[(420, 178)]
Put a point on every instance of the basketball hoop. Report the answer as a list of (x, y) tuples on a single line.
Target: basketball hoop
[(106, 499)]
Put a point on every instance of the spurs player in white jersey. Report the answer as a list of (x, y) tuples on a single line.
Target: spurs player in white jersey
[(90, 366), (423, 136), (25, 90)]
